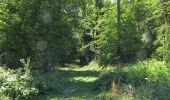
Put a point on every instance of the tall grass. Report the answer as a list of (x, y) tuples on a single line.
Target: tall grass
[(147, 80)]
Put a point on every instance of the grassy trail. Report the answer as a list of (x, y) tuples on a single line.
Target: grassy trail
[(73, 84)]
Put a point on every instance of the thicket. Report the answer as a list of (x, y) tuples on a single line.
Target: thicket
[(17, 84), (146, 72), (143, 80)]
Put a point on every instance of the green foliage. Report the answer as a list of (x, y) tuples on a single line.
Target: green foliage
[(38, 27), (163, 32), (144, 92), (46, 84), (152, 71), (104, 96), (107, 42), (4, 97), (17, 84), (160, 91), (47, 33), (163, 40), (118, 75), (137, 31)]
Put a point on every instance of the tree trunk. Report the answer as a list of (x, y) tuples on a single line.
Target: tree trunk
[(119, 29), (48, 61), (118, 16)]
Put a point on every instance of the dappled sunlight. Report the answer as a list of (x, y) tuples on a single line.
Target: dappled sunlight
[(84, 49), (73, 73), (73, 83), (84, 79)]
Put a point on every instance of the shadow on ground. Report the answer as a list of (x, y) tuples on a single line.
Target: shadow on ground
[(73, 73), (73, 84)]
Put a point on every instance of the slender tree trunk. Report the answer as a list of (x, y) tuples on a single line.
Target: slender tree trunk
[(118, 29), (48, 61), (118, 16), (95, 32)]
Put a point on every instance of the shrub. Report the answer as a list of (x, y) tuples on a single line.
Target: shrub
[(17, 84), (151, 71), (105, 80), (46, 85)]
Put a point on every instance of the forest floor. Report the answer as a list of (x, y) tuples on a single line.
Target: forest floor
[(77, 83), (72, 83)]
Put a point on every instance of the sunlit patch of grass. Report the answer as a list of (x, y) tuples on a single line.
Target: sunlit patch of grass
[(73, 83), (84, 79), (93, 66)]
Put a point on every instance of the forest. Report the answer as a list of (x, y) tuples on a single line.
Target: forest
[(84, 49)]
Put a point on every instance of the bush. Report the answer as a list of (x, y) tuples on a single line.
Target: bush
[(17, 84), (151, 71), (46, 85), (105, 80)]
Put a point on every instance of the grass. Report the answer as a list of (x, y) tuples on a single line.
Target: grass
[(72, 83), (77, 83)]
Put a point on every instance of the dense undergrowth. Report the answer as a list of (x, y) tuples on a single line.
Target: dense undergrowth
[(146, 80), (17, 84), (71, 82)]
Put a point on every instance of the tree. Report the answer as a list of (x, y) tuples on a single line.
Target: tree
[(36, 24), (163, 31)]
